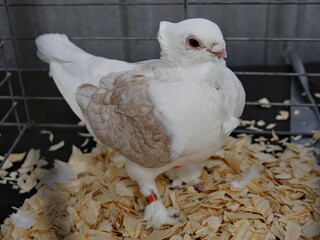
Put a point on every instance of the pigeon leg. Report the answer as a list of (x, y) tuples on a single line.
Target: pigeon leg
[(156, 214), (186, 174)]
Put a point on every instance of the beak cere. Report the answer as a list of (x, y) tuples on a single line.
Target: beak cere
[(221, 53), (218, 50)]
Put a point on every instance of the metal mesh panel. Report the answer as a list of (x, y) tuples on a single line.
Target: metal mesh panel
[(17, 107)]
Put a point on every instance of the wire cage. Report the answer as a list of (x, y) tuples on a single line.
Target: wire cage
[(279, 64)]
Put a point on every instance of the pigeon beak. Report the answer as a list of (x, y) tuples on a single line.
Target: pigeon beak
[(220, 53)]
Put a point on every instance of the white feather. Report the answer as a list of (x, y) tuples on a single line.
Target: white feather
[(23, 219), (193, 107), (62, 173), (251, 173)]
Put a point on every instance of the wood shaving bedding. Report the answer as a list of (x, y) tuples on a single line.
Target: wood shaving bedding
[(101, 202)]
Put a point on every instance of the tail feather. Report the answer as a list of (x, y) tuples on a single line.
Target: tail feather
[(67, 65), (72, 67), (56, 47)]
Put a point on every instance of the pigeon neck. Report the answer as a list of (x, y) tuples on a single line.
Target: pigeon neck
[(189, 63)]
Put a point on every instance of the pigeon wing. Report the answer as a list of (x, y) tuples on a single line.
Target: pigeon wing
[(123, 117)]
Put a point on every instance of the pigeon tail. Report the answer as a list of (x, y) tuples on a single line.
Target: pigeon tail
[(71, 67), (68, 65), (56, 47)]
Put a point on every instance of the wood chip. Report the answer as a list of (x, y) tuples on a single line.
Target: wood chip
[(86, 141), (293, 231), (316, 135), (311, 229), (32, 158), (132, 226), (254, 128), (56, 147), (245, 123), (7, 165), (26, 183), (296, 112), (261, 123), (51, 137), (261, 205), (287, 102), (296, 138), (283, 115), (16, 157), (274, 137), (126, 188), (86, 135), (271, 126), (3, 173), (264, 102)]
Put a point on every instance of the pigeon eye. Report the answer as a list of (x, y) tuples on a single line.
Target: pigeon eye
[(194, 43)]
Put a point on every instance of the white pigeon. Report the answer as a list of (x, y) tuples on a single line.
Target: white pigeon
[(165, 115)]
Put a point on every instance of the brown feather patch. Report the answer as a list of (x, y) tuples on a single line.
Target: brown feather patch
[(122, 116)]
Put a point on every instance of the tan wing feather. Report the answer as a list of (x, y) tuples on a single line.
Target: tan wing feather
[(122, 116)]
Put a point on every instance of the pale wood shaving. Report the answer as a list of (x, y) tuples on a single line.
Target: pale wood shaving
[(245, 123), (26, 183), (261, 123), (32, 158), (16, 157), (132, 226), (271, 126), (283, 115), (101, 202), (86, 135), (311, 229), (296, 112), (86, 141), (81, 123), (254, 128), (296, 138), (287, 101), (274, 137), (3, 173), (51, 136), (293, 231), (264, 102), (316, 135), (57, 146), (6, 165)]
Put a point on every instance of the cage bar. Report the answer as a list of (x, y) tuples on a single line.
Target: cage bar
[(161, 3), (17, 99)]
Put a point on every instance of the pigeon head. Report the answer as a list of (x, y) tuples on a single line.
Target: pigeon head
[(191, 41)]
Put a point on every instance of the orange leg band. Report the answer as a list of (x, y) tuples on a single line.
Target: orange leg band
[(151, 198)]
